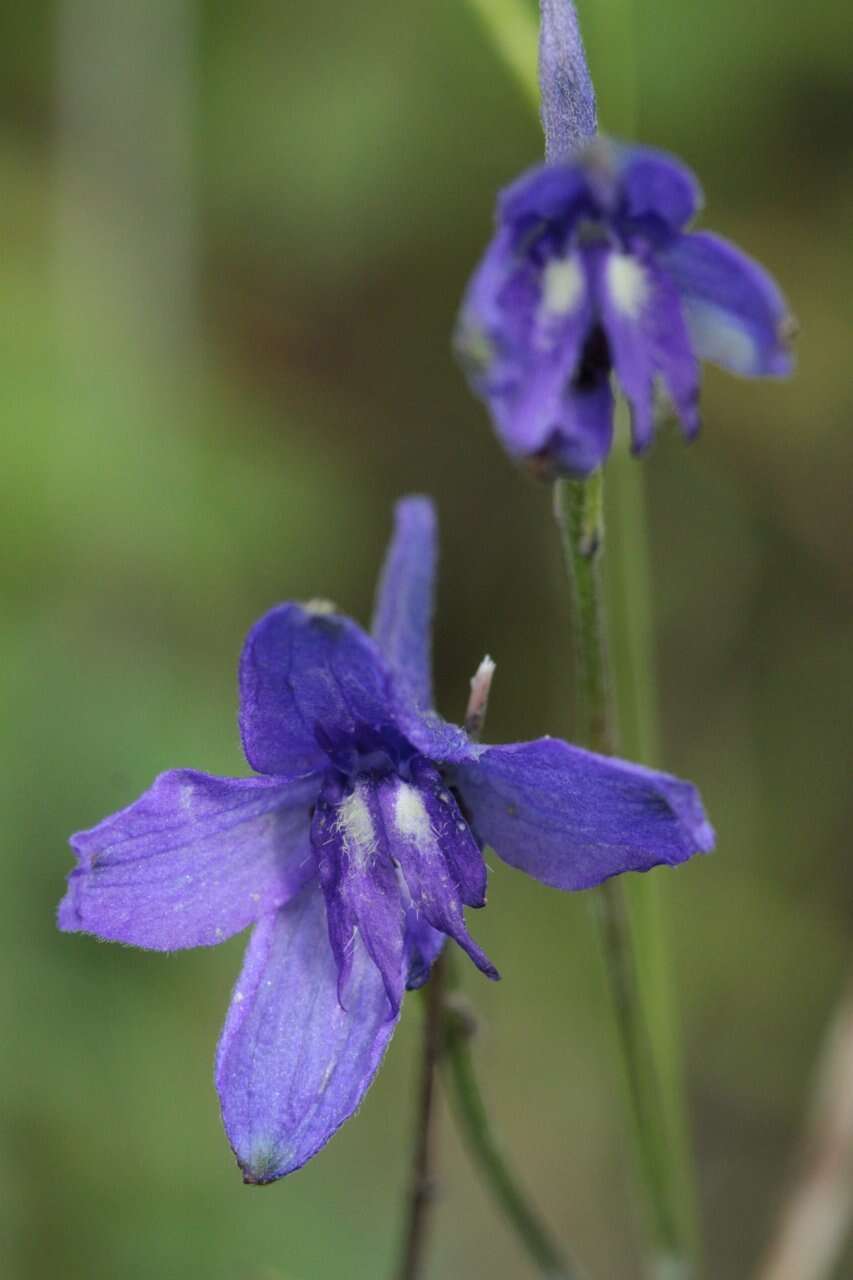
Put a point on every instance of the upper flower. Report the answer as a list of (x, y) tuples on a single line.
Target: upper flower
[(591, 272), (354, 853)]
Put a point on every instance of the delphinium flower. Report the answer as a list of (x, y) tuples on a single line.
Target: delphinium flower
[(593, 272), (354, 853)]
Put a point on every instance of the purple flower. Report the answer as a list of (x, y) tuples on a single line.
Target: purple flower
[(592, 272), (354, 853)]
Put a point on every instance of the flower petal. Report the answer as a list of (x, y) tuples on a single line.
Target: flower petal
[(495, 327), (582, 431), (440, 861), (568, 98), (546, 199), (423, 947), (436, 824), (536, 406), (402, 620), (572, 819), (360, 884), (647, 336), (292, 1065), (734, 310), (654, 184), (193, 861), (435, 738), (533, 325), (306, 672)]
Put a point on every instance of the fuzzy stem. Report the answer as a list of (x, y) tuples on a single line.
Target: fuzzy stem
[(579, 510), (484, 1147), (421, 1186)]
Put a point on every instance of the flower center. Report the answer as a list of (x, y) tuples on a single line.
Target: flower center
[(365, 751)]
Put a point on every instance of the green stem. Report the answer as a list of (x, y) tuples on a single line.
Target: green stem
[(484, 1147), (579, 508), (629, 600), (579, 511)]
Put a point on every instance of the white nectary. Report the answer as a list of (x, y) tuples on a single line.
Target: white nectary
[(562, 286), (410, 814), (355, 822), (627, 284)]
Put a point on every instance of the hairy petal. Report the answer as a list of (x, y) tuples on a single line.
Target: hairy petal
[(568, 98), (440, 861), (734, 310), (449, 832), (435, 738), (193, 861), (572, 819), (307, 676), (402, 620), (292, 1064), (361, 888)]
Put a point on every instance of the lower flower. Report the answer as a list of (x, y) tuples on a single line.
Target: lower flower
[(355, 853)]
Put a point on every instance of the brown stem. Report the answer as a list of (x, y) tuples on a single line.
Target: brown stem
[(421, 1178)]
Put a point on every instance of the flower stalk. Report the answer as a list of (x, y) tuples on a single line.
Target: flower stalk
[(421, 1179), (579, 511)]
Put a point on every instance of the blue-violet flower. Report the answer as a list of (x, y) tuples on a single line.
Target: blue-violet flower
[(355, 851), (592, 272)]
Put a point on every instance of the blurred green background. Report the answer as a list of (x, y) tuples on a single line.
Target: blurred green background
[(234, 238)]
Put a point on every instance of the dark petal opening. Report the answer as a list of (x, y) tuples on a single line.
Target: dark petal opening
[(595, 363)]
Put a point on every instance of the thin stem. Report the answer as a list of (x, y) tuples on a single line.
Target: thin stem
[(629, 593), (421, 1184), (579, 509), (485, 1149)]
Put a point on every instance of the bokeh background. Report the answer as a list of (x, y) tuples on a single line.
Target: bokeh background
[(233, 241)]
